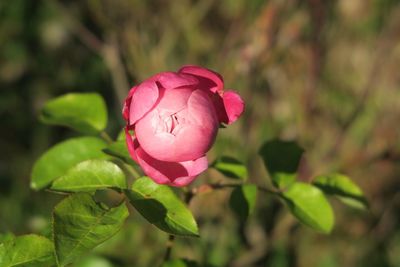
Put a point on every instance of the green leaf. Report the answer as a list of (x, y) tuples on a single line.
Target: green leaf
[(6, 237), (84, 112), (243, 200), (342, 187), (230, 167), (161, 207), (58, 159), (93, 261), (91, 175), (309, 205), (121, 135), (80, 224), (180, 263), (282, 159), (27, 251)]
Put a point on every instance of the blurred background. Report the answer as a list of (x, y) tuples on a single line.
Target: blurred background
[(324, 73)]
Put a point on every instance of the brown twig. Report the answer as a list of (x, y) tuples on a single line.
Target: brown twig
[(168, 251)]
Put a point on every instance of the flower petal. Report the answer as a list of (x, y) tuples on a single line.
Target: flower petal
[(200, 109), (127, 103), (208, 79), (194, 167), (163, 172), (173, 101), (131, 144), (171, 80), (190, 139), (143, 99), (234, 105)]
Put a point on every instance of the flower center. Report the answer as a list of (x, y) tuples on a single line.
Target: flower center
[(168, 123), (171, 122)]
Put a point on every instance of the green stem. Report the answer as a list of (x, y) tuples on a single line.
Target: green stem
[(128, 168), (134, 173), (106, 137)]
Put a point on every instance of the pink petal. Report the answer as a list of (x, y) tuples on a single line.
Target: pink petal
[(234, 105), (219, 108), (173, 101), (190, 139), (131, 144), (163, 172), (127, 103), (200, 108), (143, 99), (208, 79), (194, 168), (171, 80)]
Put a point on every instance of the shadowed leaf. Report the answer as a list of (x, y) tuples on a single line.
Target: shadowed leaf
[(281, 158), (80, 224), (342, 187), (161, 207)]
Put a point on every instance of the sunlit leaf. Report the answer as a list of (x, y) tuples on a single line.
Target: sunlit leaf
[(310, 206), (243, 200), (230, 167), (80, 224), (91, 175), (281, 158), (93, 261), (84, 112), (27, 251), (57, 160), (342, 187), (161, 207)]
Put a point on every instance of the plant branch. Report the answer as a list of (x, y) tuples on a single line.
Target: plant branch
[(170, 243)]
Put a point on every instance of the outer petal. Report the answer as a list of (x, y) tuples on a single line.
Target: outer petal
[(131, 144), (234, 105), (127, 104), (194, 167), (208, 79), (200, 109), (143, 100), (173, 101), (171, 80), (163, 172)]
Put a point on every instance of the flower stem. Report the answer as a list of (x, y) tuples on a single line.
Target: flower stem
[(106, 137), (131, 170)]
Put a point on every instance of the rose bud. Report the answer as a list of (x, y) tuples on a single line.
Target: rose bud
[(172, 119)]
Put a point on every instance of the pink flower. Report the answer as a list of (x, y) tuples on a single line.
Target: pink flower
[(175, 117)]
